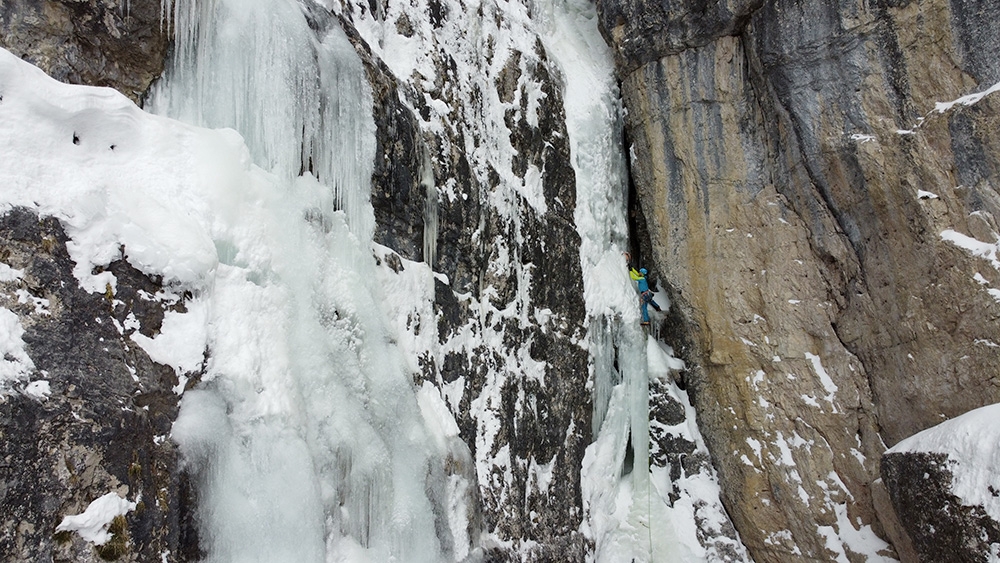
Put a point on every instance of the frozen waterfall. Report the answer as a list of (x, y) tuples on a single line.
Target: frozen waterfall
[(308, 441), (632, 517), (246, 188)]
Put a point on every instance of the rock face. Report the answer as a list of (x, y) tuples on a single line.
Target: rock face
[(102, 426), (518, 389), (818, 225), (117, 43)]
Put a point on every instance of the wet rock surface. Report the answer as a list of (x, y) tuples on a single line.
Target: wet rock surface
[(103, 425)]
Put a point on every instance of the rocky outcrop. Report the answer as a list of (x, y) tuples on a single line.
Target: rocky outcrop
[(402, 175), (942, 527), (93, 414), (803, 198), (117, 43), (643, 31)]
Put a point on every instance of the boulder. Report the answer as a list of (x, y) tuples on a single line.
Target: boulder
[(944, 484), (121, 44)]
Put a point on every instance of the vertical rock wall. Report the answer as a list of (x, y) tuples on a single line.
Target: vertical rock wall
[(473, 176), (797, 183)]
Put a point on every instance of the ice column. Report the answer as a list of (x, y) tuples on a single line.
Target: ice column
[(616, 471)]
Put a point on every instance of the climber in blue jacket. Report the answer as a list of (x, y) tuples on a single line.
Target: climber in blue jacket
[(645, 294)]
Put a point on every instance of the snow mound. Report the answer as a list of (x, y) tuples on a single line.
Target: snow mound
[(972, 444)]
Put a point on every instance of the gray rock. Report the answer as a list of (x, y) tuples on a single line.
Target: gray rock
[(402, 162), (121, 44), (481, 249), (642, 31), (104, 426)]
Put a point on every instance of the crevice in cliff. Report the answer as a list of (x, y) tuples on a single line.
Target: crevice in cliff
[(638, 229), (674, 327), (895, 66)]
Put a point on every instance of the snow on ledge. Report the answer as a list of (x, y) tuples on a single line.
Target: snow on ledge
[(182, 340), (93, 524), (968, 100), (8, 274), (15, 364), (972, 444), (974, 246)]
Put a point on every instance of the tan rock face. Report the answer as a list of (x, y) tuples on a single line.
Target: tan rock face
[(801, 196), (791, 423)]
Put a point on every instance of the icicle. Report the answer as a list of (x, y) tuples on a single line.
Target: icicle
[(606, 374), (342, 144), (430, 208), (256, 66)]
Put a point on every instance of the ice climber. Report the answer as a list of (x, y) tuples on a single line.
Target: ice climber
[(645, 294)]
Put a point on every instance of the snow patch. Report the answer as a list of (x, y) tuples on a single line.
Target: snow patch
[(824, 377), (967, 100), (8, 274), (93, 523), (38, 389), (972, 245), (15, 365), (182, 339)]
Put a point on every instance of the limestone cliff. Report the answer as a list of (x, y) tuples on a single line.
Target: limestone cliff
[(815, 220)]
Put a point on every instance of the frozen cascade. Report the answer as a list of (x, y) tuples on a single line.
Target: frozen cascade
[(619, 376), (308, 441), (299, 98)]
